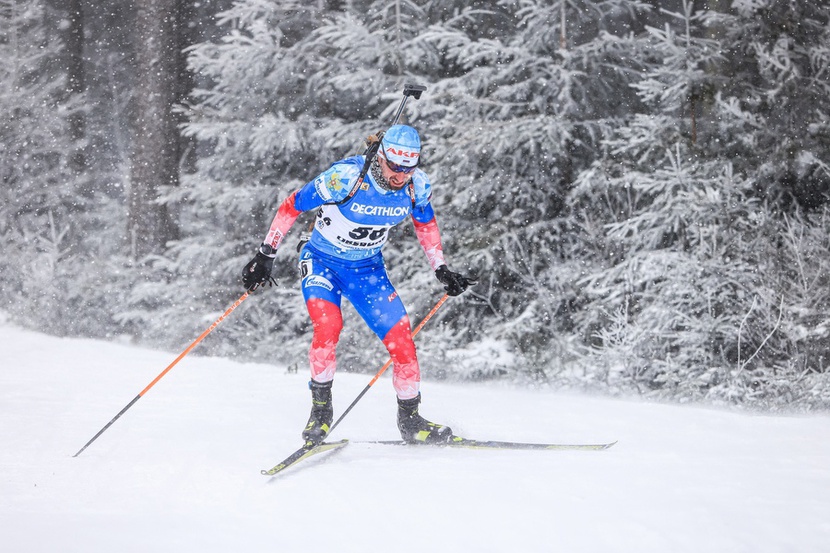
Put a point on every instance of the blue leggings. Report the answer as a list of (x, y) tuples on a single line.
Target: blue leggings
[(364, 283)]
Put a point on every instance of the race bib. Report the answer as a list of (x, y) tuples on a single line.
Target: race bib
[(348, 235)]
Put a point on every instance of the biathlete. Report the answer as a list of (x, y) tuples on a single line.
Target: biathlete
[(343, 258)]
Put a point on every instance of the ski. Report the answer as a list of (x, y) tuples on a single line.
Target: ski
[(458, 441), (308, 450)]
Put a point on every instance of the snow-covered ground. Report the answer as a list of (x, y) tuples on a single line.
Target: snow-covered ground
[(179, 472)]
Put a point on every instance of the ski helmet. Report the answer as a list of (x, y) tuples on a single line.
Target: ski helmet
[(402, 146)]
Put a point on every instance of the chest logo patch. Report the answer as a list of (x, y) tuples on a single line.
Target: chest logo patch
[(380, 211)]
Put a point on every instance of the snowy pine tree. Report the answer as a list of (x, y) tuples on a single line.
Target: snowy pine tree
[(688, 296), (35, 142), (639, 185), (521, 114)]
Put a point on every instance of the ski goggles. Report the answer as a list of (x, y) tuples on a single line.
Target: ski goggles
[(400, 168)]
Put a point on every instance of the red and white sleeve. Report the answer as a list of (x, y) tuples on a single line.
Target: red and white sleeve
[(430, 240), (285, 217)]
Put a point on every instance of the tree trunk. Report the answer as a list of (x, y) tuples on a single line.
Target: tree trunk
[(154, 159), (76, 81)]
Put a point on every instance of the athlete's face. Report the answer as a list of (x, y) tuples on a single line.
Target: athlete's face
[(396, 179)]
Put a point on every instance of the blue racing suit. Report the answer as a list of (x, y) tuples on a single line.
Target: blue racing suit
[(343, 258)]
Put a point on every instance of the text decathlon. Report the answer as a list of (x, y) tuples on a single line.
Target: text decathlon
[(380, 211)]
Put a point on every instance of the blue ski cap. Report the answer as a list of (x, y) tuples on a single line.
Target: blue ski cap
[(402, 145)]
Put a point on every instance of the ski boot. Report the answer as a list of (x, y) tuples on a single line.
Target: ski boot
[(322, 413), (417, 430)]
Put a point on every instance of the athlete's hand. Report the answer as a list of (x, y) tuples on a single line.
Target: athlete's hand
[(258, 272), (454, 283)]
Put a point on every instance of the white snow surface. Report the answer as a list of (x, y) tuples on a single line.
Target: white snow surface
[(179, 471)]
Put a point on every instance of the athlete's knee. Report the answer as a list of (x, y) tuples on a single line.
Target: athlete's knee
[(399, 343), (326, 320)]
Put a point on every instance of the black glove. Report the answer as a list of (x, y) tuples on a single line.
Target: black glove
[(454, 283), (258, 270)]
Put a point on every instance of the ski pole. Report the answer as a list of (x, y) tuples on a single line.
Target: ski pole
[(165, 371), (386, 366)]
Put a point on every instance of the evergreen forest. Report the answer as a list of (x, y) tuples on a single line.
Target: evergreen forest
[(642, 187)]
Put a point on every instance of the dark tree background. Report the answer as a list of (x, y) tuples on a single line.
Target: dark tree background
[(641, 185)]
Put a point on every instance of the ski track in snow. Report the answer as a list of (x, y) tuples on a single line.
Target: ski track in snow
[(179, 472)]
